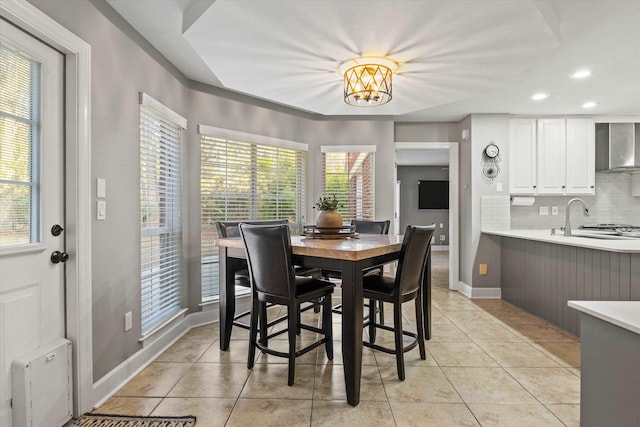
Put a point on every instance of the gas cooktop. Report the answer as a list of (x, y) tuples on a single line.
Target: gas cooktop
[(625, 230)]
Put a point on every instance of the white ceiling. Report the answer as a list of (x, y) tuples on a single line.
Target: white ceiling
[(456, 56)]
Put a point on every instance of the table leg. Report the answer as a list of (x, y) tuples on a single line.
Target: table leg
[(226, 285), (426, 298), (352, 302)]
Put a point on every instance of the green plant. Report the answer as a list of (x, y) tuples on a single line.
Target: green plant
[(327, 204)]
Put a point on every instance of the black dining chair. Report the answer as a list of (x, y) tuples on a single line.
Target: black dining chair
[(406, 286), (273, 280)]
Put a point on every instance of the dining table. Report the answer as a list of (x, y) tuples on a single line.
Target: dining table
[(350, 256)]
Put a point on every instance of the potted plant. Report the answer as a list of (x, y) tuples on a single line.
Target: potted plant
[(329, 217)]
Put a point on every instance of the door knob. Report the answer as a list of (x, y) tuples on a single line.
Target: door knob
[(58, 256), (56, 230)]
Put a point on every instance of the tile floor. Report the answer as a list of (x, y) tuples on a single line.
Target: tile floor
[(488, 364)]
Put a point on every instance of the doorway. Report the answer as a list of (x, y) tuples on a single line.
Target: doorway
[(436, 153), (77, 193)]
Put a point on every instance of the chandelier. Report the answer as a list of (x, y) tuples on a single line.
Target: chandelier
[(367, 81)]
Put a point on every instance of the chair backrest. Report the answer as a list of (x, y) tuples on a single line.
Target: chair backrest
[(413, 257), (268, 249), (230, 228), (371, 227)]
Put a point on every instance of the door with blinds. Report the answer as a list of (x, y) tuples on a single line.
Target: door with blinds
[(32, 228)]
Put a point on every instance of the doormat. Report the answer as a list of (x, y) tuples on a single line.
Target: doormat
[(106, 420)]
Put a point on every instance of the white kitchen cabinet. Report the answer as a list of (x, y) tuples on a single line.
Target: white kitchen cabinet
[(552, 156), (551, 161), (581, 159), (522, 156)]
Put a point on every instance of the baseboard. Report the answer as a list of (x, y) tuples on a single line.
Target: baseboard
[(479, 293), (440, 247)]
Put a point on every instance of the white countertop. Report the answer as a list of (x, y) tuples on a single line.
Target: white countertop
[(625, 314), (628, 246)]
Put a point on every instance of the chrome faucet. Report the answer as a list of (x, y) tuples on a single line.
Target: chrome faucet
[(567, 222)]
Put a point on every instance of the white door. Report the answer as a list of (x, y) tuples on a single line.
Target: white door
[(31, 200)]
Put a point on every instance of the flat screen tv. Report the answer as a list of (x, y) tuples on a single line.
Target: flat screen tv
[(433, 194)]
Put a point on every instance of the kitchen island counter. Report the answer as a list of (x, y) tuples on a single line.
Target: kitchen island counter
[(622, 245)]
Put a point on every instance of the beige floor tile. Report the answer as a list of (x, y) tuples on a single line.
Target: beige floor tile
[(329, 384), (156, 380), (338, 413), (209, 412), (565, 353), (568, 414), (210, 332), (236, 353), (460, 354), (489, 331), (129, 405), (487, 385), (411, 358), (463, 318), (269, 380), (432, 414), (515, 354), (509, 415), (549, 385), (186, 349), (426, 384), (438, 318), (453, 305), (447, 333), (212, 380), (271, 413), (540, 332)]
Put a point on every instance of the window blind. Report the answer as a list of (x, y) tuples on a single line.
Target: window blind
[(19, 148), (160, 225), (246, 181), (350, 177)]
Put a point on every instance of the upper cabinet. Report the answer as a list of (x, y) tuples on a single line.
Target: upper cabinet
[(552, 156)]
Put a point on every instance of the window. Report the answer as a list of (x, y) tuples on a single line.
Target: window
[(160, 204), (246, 177), (19, 148), (348, 173)]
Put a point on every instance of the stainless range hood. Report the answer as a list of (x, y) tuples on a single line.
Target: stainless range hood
[(618, 147)]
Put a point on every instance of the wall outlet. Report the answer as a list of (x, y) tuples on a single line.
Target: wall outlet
[(543, 210), (441, 225), (498, 187), (554, 210), (483, 269), (442, 237), (128, 321)]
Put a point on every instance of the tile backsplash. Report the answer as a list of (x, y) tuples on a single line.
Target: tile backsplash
[(613, 203)]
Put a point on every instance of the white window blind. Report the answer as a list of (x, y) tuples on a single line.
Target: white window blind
[(349, 175), (19, 148), (160, 205), (246, 181)]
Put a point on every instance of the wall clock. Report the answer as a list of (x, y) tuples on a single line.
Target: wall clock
[(490, 162)]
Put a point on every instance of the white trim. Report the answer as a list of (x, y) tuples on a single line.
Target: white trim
[(454, 208), (616, 119), (479, 293), (348, 148), (440, 247), (148, 101), (173, 319), (108, 385), (235, 135), (78, 191)]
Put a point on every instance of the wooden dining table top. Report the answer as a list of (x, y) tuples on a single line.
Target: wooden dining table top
[(353, 249)]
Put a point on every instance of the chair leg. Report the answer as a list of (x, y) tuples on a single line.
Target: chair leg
[(262, 314), (293, 312), (327, 326), (381, 313), (298, 320), (253, 334), (420, 325), (397, 327), (372, 320), (316, 305)]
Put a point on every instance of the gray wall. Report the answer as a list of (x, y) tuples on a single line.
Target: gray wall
[(613, 203), (409, 212)]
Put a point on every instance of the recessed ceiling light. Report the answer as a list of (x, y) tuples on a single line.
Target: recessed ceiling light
[(540, 96), (589, 104), (581, 74)]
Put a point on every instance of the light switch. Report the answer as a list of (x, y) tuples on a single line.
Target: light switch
[(101, 210), (101, 187), (128, 321), (498, 187), (554, 210)]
